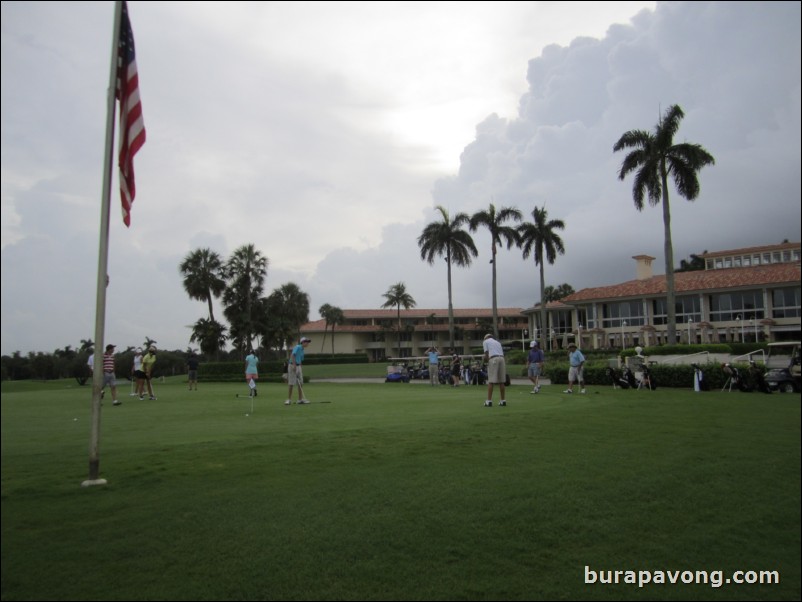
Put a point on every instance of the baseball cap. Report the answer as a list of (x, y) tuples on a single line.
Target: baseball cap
[(571, 345), (110, 346), (305, 340), (533, 344)]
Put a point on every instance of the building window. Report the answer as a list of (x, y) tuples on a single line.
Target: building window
[(686, 308), (747, 261), (785, 303), (766, 257), (726, 307), (615, 314)]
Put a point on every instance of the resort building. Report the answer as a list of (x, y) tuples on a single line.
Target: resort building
[(742, 295)]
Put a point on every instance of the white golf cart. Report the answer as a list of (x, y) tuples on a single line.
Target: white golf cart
[(783, 368)]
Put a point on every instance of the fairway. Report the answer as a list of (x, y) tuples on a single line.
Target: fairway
[(397, 492)]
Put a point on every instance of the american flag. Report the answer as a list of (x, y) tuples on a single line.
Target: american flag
[(132, 127)]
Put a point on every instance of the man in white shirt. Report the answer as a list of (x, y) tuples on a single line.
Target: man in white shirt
[(496, 369)]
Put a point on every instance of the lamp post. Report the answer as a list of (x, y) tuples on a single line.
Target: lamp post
[(741, 322), (579, 335), (524, 334), (623, 326), (551, 341)]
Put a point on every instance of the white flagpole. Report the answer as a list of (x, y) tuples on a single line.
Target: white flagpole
[(102, 264)]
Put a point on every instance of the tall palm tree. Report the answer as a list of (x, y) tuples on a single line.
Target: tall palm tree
[(397, 296), (202, 270), (447, 238), (540, 239), (245, 272), (494, 222), (655, 158)]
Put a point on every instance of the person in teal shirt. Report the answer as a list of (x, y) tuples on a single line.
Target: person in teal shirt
[(251, 371), (295, 375)]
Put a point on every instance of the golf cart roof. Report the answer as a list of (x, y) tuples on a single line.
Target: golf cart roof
[(785, 344)]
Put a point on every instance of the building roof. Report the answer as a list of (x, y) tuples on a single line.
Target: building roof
[(751, 250), (690, 282)]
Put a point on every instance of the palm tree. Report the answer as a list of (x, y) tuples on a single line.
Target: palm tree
[(397, 296), (281, 315), (654, 158), (210, 335), (245, 271), (494, 222), (202, 270), (336, 317), (540, 239), (447, 238), (324, 311)]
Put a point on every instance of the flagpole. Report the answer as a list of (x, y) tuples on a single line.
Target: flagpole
[(102, 264)]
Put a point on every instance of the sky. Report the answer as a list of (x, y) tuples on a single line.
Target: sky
[(326, 134)]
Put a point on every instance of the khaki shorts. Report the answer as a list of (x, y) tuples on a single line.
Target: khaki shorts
[(295, 376), (496, 370)]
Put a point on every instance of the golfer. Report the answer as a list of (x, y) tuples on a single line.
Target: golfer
[(109, 378), (147, 368), (251, 372), (434, 365), (295, 375), (496, 369), (576, 362), (534, 365)]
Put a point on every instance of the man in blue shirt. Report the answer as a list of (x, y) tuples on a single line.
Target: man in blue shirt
[(534, 365), (295, 375), (577, 362), (434, 365)]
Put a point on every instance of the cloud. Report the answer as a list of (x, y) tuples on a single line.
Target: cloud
[(326, 137)]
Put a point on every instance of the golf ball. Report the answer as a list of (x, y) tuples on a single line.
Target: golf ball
[(247, 414)]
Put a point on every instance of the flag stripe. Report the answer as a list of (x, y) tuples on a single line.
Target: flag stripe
[(132, 125)]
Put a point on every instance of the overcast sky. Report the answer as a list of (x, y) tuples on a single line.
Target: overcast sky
[(326, 133)]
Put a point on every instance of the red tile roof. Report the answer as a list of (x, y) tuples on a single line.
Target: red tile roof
[(690, 282)]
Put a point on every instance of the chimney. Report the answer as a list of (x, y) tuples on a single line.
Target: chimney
[(644, 266)]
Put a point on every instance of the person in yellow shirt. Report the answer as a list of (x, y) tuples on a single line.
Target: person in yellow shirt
[(147, 368)]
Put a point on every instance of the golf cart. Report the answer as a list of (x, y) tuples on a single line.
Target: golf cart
[(782, 365)]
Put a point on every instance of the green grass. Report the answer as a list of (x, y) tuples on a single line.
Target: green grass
[(396, 492)]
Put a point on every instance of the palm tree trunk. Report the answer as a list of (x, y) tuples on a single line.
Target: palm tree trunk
[(495, 303), (668, 250), (450, 305), (542, 303), (399, 330), (209, 299), (325, 330)]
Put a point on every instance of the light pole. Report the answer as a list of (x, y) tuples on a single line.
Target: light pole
[(741, 322), (690, 325), (551, 341), (623, 326), (524, 333)]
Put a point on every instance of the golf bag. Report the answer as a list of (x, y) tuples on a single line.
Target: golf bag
[(758, 378), (647, 380), (478, 375), (734, 379), (629, 377), (617, 379), (699, 382)]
